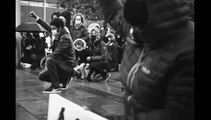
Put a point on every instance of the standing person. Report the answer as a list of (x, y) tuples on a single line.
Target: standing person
[(61, 61), (99, 58), (67, 15), (113, 52), (157, 69), (78, 30)]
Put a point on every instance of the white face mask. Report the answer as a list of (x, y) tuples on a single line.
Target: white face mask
[(77, 22), (54, 32)]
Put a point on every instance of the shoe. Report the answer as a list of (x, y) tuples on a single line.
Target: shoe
[(51, 89), (105, 78), (65, 87)]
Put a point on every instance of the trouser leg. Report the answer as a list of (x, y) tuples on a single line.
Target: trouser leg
[(52, 71), (44, 75), (98, 67)]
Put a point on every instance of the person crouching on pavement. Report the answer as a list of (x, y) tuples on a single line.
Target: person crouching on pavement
[(98, 60), (59, 64), (83, 52)]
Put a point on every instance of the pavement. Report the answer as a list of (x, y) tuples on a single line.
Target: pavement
[(103, 98)]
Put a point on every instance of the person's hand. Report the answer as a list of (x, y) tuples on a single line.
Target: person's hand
[(42, 62), (32, 14), (88, 58)]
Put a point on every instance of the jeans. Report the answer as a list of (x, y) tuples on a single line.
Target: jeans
[(56, 71)]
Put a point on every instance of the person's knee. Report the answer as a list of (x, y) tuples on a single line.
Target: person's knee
[(42, 75), (93, 65), (50, 61)]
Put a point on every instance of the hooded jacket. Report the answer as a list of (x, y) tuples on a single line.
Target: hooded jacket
[(159, 74), (80, 31)]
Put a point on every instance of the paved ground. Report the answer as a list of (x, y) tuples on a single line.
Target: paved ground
[(103, 98)]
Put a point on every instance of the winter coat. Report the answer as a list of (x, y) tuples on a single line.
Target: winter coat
[(99, 51), (64, 50), (80, 31), (158, 75)]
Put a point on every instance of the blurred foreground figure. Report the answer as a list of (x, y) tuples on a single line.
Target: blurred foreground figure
[(157, 69)]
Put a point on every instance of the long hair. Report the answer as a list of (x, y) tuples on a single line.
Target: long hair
[(82, 18)]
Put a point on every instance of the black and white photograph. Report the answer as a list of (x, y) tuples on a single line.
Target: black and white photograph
[(104, 59)]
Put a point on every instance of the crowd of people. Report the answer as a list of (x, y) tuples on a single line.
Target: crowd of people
[(96, 50), (152, 39)]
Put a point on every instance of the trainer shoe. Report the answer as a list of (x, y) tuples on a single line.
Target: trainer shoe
[(65, 87), (105, 78), (51, 89)]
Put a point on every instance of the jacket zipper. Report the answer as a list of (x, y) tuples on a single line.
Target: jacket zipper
[(135, 68)]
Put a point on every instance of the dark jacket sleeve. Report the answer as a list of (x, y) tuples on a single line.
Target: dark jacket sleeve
[(85, 35), (103, 55), (63, 45), (44, 24), (113, 14)]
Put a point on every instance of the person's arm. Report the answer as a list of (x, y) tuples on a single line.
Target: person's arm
[(85, 35), (44, 24), (40, 21), (103, 55)]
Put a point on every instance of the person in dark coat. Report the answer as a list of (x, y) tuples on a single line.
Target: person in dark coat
[(98, 60), (78, 30), (61, 61), (113, 52), (67, 15), (157, 69)]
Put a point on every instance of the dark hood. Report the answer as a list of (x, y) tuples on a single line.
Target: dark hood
[(163, 20), (64, 33)]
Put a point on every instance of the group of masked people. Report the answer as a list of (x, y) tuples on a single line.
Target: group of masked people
[(75, 52), (157, 68)]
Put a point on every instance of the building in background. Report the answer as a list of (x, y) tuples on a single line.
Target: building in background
[(43, 8)]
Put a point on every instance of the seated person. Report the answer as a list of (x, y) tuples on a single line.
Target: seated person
[(33, 50)]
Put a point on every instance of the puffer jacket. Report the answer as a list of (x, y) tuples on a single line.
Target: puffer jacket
[(64, 50), (159, 75), (99, 51)]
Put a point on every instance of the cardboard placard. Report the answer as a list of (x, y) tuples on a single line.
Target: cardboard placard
[(60, 108)]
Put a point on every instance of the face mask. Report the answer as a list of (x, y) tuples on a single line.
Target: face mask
[(54, 32), (77, 22), (93, 37)]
